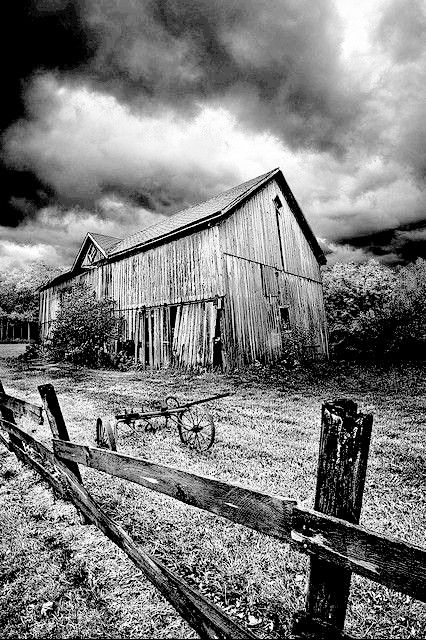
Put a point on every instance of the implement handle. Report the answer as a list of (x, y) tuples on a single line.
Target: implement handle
[(210, 399), (135, 415)]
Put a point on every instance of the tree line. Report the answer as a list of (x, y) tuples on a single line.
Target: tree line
[(373, 310)]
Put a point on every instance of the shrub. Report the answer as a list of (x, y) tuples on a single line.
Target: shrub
[(32, 352), (84, 329), (373, 310)]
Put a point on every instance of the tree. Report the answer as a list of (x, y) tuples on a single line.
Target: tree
[(409, 311), (374, 310), (19, 290)]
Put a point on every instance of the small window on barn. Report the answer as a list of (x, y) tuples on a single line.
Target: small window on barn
[(285, 318), (277, 202)]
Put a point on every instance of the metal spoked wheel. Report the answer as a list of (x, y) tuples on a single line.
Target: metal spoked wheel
[(105, 437), (196, 428)]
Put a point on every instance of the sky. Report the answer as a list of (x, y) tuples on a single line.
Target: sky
[(116, 113)]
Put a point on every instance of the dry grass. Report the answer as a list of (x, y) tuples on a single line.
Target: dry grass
[(267, 439)]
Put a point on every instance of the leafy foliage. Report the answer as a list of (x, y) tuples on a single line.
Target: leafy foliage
[(19, 290), (84, 329), (374, 310)]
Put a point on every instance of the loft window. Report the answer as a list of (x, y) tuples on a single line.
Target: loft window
[(285, 318), (278, 207), (277, 202)]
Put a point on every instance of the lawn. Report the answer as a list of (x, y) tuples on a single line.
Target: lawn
[(61, 579)]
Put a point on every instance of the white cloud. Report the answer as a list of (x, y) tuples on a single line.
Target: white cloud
[(16, 255), (86, 143)]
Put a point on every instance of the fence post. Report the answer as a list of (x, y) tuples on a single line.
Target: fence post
[(59, 429), (7, 414), (342, 466)]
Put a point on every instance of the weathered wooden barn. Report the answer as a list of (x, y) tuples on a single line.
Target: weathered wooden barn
[(224, 282)]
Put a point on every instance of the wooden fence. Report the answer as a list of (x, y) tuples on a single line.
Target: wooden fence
[(329, 534)]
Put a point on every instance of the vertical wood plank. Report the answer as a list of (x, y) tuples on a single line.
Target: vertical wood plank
[(137, 330)]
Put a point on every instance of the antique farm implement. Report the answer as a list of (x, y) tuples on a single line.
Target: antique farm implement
[(194, 423)]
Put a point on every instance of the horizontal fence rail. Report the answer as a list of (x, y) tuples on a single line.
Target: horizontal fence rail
[(22, 407), (394, 563), (19, 433), (260, 511), (26, 457), (391, 562)]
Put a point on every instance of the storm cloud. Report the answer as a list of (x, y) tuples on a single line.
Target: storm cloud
[(153, 105)]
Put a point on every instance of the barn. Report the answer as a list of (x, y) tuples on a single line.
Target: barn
[(223, 283)]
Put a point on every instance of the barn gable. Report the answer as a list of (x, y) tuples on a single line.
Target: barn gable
[(95, 247)]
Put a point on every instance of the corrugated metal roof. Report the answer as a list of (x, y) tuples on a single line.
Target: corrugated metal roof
[(188, 217)]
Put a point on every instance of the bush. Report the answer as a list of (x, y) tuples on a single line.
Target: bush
[(32, 352), (373, 310), (84, 329)]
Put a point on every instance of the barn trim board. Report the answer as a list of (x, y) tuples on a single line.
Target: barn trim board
[(223, 283)]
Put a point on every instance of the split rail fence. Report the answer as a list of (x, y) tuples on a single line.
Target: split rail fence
[(329, 533)]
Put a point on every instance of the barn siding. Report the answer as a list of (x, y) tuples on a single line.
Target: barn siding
[(185, 270), (250, 243), (236, 265)]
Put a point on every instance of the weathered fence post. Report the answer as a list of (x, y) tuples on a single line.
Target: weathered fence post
[(59, 428), (7, 414), (342, 465)]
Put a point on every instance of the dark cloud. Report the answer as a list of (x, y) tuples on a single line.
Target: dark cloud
[(36, 35), (275, 63), (405, 243)]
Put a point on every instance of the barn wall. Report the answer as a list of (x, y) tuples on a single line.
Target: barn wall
[(187, 270), (261, 276)]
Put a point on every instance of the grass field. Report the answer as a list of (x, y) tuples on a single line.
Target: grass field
[(60, 579)]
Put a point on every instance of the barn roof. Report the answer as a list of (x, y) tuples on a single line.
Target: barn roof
[(196, 216), (105, 243), (203, 212)]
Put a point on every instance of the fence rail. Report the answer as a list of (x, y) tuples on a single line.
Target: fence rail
[(268, 514), (340, 545), (204, 616), (22, 407), (389, 561)]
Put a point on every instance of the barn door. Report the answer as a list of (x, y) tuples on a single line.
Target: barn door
[(252, 314)]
